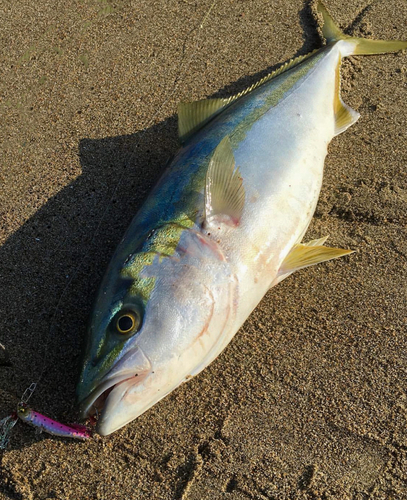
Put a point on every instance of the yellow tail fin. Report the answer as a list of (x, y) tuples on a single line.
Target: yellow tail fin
[(362, 46)]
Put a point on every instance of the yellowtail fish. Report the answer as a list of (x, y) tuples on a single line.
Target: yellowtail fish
[(223, 225)]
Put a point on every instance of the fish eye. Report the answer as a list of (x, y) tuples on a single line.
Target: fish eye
[(128, 322)]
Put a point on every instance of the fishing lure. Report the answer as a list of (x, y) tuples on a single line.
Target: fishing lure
[(41, 424), (46, 424)]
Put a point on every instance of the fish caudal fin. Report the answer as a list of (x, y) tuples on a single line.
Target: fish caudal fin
[(345, 116), (193, 116), (357, 46)]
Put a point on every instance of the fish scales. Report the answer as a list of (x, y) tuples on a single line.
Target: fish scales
[(222, 226)]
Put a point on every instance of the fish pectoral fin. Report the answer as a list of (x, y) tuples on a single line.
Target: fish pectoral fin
[(224, 191), (192, 116), (307, 254)]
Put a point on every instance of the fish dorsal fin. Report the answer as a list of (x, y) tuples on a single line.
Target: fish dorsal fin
[(307, 254), (345, 116), (224, 191), (192, 116)]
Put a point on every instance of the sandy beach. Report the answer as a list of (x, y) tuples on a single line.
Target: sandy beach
[(309, 400)]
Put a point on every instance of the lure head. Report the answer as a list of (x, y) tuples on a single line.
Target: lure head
[(23, 411), (155, 321)]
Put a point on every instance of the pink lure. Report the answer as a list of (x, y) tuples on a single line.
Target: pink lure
[(43, 423)]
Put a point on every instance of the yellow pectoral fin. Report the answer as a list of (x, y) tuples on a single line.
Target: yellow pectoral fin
[(307, 254), (224, 190)]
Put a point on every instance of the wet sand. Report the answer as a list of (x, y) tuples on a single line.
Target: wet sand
[(309, 400)]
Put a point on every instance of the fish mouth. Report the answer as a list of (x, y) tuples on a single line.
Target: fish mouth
[(130, 370), (96, 401)]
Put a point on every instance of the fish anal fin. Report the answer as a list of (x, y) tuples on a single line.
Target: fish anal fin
[(318, 242), (305, 255), (345, 116), (224, 190)]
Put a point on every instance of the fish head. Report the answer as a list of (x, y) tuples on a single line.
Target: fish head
[(156, 320)]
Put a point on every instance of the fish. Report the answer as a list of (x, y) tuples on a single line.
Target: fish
[(46, 424), (223, 225)]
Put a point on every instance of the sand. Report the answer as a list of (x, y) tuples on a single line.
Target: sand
[(309, 400)]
